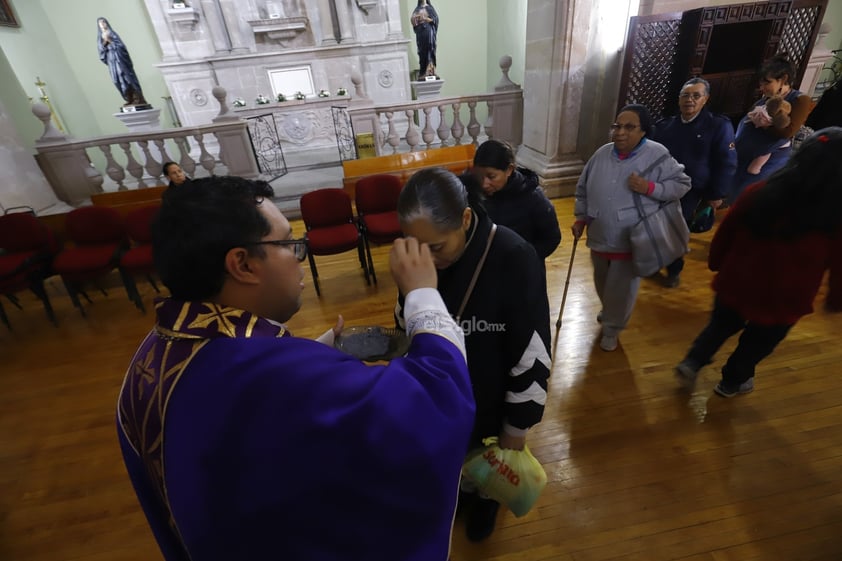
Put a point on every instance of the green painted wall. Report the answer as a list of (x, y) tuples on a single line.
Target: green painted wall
[(461, 44), (506, 36), (16, 104), (833, 16), (57, 41), (74, 24), (33, 50)]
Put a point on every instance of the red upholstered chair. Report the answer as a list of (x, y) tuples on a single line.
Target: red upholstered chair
[(138, 259), (28, 247), (99, 241), (376, 197), (331, 228)]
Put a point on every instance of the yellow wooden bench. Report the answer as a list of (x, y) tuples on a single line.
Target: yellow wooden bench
[(126, 201), (457, 159)]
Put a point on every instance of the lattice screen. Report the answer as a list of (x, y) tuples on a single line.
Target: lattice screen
[(797, 32), (653, 58)]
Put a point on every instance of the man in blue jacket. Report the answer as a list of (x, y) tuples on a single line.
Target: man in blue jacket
[(704, 143)]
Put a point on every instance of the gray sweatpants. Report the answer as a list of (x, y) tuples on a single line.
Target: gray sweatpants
[(616, 285)]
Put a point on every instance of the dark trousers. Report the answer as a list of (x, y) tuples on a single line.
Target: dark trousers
[(689, 203), (756, 343)]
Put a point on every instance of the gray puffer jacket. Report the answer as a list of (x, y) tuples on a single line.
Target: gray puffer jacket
[(605, 202)]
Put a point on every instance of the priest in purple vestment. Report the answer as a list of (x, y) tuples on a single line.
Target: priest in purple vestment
[(245, 442)]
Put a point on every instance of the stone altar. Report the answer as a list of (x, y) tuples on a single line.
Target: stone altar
[(237, 44)]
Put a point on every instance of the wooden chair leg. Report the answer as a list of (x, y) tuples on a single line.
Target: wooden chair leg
[(74, 296), (14, 300), (4, 318), (370, 260), (37, 287), (361, 250), (314, 273), (151, 280), (131, 289)]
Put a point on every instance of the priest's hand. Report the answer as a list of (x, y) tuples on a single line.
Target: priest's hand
[(412, 265)]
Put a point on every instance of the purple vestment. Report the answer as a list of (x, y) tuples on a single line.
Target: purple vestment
[(243, 442)]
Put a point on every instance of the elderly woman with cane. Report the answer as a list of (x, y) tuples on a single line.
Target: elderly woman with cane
[(605, 205)]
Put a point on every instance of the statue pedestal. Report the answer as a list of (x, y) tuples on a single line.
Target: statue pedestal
[(143, 120), (427, 90)]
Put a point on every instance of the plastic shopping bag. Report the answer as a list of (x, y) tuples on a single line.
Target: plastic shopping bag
[(511, 477)]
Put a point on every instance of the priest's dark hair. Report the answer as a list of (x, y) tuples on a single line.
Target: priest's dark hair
[(198, 224)]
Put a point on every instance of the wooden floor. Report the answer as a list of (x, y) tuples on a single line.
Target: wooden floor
[(637, 470)]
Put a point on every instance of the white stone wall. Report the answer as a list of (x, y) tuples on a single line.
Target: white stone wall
[(22, 180), (233, 44)]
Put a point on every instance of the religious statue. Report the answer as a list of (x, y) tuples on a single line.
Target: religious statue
[(113, 53), (425, 23)]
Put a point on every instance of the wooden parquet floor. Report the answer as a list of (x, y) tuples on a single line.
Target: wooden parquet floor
[(637, 470)]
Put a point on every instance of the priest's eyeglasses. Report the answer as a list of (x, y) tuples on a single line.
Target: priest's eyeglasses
[(299, 246)]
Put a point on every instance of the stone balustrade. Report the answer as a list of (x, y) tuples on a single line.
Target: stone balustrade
[(135, 160), (443, 121)]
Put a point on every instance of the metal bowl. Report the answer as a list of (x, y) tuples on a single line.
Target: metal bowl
[(372, 342)]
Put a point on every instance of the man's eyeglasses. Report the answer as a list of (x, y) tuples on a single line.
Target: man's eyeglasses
[(299, 246), (695, 96), (627, 127)]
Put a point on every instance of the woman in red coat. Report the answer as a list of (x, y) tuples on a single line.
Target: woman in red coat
[(770, 254)]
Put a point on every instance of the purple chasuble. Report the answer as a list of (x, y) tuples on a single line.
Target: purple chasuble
[(243, 442)]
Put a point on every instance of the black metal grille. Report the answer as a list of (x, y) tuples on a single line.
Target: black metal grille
[(344, 133), (267, 146), (797, 33)]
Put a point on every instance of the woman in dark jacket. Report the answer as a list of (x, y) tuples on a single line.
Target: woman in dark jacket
[(175, 174), (515, 199), (504, 317), (770, 254)]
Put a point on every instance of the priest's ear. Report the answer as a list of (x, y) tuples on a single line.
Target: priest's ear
[(242, 266)]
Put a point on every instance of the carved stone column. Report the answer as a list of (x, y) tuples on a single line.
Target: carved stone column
[(158, 16), (820, 56), (324, 28), (556, 54), (219, 35), (234, 20), (393, 19), (345, 20)]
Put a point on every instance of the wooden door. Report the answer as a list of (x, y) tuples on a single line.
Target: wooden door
[(723, 44)]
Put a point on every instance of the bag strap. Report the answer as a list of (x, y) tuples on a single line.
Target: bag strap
[(637, 202), (654, 164), (476, 274)]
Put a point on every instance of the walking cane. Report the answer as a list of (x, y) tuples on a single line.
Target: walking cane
[(564, 295), (566, 285)]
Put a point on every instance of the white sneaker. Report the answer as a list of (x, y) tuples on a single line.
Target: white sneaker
[(609, 343), (686, 373)]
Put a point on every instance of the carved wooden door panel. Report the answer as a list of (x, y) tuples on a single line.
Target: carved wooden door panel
[(723, 44), (649, 64), (731, 42)]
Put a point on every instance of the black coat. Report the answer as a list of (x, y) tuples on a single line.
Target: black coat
[(506, 324), (523, 207)]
